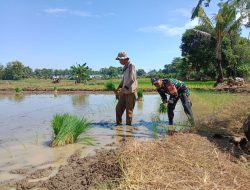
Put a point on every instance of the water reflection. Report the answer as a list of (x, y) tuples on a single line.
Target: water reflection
[(139, 105), (80, 99), (123, 132), (17, 98)]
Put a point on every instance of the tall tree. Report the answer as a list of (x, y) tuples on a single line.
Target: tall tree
[(1, 71), (223, 23), (14, 70), (140, 72), (199, 53)]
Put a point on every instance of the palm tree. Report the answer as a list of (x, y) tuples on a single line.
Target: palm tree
[(242, 5), (223, 23), (80, 72)]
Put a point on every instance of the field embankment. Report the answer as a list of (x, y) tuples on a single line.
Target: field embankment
[(92, 85)]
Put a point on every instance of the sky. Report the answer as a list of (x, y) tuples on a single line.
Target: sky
[(60, 33)]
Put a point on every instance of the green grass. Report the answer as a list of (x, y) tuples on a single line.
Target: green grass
[(212, 100), (200, 84), (110, 85), (67, 128), (94, 84)]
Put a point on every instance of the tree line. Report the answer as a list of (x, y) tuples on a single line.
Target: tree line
[(210, 51), (16, 70)]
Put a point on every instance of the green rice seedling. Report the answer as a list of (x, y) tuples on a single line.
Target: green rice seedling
[(88, 141), (140, 95), (110, 85), (18, 90), (67, 128), (55, 88), (158, 126), (163, 108)]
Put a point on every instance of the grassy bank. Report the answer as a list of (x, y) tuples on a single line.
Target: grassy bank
[(94, 84)]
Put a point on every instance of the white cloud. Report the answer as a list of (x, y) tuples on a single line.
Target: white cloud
[(182, 11), (63, 12), (56, 11), (170, 30), (69, 12)]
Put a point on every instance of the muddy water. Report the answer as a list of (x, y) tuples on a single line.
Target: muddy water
[(25, 130)]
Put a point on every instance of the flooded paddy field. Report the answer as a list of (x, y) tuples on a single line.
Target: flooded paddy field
[(25, 126)]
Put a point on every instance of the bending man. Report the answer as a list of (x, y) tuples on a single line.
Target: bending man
[(176, 90)]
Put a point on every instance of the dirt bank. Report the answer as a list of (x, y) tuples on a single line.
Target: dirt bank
[(101, 170)]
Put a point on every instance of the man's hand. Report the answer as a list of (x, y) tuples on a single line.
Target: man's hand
[(170, 101), (165, 101)]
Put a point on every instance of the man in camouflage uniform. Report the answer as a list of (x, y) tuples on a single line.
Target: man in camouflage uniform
[(127, 90), (176, 89)]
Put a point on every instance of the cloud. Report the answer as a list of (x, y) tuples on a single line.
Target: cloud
[(65, 12), (170, 30), (56, 11), (184, 12)]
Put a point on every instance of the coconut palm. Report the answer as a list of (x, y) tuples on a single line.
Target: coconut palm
[(223, 23), (242, 5)]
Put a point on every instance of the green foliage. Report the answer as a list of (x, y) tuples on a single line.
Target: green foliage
[(15, 71), (110, 86), (18, 90), (140, 94), (67, 128), (111, 72), (80, 72), (199, 55), (140, 72), (1, 71), (225, 23), (163, 108)]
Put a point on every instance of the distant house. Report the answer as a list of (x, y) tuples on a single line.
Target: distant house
[(95, 76)]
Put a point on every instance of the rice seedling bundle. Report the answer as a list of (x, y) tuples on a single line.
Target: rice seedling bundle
[(67, 128), (163, 108), (140, 94)]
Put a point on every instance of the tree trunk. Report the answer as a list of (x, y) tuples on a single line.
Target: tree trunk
[(218, 59), (220, 76)]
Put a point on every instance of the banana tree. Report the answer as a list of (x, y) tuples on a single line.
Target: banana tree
[(80, 72), (223, 23)]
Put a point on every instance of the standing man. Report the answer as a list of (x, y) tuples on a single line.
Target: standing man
[(176, 89), (127, 90)]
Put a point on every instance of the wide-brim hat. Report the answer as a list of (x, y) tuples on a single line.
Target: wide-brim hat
[(122, 55)]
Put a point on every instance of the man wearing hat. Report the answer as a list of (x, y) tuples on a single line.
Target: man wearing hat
[(127, 90), (176, 90)]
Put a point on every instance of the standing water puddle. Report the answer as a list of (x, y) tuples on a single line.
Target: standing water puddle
[(25, 127)]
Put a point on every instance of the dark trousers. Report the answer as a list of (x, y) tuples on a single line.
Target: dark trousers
[(126, 101), (187, 105)]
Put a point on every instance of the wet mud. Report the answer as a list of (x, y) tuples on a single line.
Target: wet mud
[(94, 172)]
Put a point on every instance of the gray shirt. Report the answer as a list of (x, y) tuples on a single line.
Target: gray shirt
[(129, 81)]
